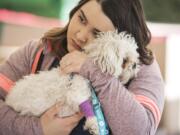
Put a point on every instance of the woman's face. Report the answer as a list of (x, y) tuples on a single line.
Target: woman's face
[(85, 24)]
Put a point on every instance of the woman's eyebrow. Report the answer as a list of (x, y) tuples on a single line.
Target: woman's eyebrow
[(84, 16)]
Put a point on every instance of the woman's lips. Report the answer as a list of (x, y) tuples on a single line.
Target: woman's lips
[(75, 45)]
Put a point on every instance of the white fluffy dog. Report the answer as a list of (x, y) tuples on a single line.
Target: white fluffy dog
[(114, 54)]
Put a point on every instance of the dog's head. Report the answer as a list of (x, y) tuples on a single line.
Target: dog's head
[(115, 53)]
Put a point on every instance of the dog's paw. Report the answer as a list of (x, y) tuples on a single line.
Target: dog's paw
[(92, 126)]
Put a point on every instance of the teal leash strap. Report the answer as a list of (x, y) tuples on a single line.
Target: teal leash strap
[(103, 126)]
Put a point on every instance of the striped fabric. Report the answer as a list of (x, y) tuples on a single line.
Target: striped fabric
[(34, 65), (150, 104), (6, 83)]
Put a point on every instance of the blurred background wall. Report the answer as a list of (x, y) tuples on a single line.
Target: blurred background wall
[(21, 21)]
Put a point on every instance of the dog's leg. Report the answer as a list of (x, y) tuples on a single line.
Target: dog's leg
[(91, 122)]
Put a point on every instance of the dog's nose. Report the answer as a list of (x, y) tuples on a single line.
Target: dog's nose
[(71, 76)]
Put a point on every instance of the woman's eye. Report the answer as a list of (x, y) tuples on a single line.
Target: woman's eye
[(82, 20)]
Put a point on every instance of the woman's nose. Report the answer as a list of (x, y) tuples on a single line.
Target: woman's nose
[(82, 36)]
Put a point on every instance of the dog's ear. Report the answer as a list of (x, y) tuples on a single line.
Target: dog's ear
[(107, 53), (110, 49), (109, 59)]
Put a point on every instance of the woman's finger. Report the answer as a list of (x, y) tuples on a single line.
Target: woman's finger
[(65, 65), (65, 59), (54, 110), (74, 119), (68, 69)]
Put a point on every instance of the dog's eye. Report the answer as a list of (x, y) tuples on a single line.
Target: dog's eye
[(134, 66), (124, 62)]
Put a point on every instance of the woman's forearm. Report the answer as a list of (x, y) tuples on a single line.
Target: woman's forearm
[(124, 112), (11, 123)]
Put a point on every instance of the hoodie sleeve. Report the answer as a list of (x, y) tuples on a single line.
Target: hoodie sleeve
[(17, 65), (11, 123), (134, 110)]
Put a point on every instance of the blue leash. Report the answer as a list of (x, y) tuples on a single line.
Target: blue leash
[(103, 126)]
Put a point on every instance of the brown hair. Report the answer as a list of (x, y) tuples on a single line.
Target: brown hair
[(126, 15)]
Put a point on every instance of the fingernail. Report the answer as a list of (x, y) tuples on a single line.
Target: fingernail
[(80, 114)]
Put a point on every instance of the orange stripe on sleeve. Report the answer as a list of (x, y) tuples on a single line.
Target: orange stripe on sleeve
[(6, 83), (49, 46), (150, 104), (34, 66)]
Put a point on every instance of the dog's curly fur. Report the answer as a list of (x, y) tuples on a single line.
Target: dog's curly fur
[(114, 54)]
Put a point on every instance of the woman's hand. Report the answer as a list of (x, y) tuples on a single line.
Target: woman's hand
[(72, 62), (54, 125)]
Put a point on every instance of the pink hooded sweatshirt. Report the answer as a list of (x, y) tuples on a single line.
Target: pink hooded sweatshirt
[(135, 110)]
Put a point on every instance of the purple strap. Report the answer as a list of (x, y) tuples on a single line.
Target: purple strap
[(86, 108)]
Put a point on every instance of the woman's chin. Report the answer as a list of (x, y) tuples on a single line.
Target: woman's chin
[(71, 49)]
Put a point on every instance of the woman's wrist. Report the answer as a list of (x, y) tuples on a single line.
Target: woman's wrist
[(87, 67)]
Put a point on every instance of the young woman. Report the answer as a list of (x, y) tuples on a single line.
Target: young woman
[(134, 109)]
